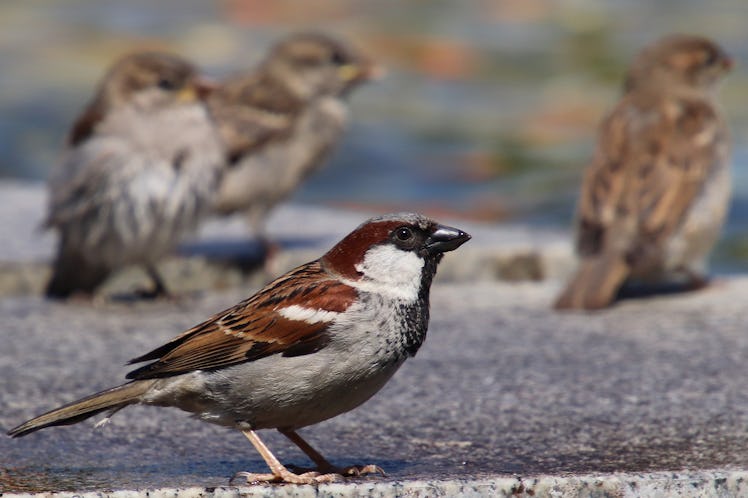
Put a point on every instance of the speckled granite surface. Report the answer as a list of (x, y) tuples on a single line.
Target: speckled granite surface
[(664, 485)]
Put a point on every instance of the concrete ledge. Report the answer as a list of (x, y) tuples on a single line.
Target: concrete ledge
[(656, 485)]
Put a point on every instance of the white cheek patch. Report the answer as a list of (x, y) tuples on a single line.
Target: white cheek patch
[(308, 315), (390, 271)]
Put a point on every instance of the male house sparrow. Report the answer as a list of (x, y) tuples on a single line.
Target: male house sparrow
[(654, 198), (280, 121), (313, 344), (140, 170)]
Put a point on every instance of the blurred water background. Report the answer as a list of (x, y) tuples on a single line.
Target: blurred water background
[(488, 112)]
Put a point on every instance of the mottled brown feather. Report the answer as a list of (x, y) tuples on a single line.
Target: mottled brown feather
[(253, 328), (253, 110), (650, 167)]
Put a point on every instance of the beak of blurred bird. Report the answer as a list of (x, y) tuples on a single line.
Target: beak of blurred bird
[(361, 72), (198, 89)]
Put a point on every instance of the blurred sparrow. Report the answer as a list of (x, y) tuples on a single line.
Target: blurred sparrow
[(280, 121), (315, 343), (141, 168), (655, 197)]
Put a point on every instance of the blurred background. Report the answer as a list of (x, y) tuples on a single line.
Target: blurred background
[(488, 112)]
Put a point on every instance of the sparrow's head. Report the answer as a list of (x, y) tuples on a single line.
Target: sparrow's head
[(395, 254), (679, 61), (315, 64), (148, 81), (152, 79)]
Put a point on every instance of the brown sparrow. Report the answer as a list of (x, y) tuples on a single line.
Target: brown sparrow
[(140, 171), (280, 121), (314, 343), (654, 198)]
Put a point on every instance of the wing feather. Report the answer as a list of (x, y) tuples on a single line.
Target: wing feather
[(254, 328), (251, 111)]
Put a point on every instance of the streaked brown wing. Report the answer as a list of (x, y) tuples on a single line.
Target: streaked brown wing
[(650, 165), (603, 183), (689, 154), (85, 124), (254, 328), (251, 111)]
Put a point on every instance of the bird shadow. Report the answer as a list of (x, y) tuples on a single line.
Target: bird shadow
[(247, 255), (637, 290)]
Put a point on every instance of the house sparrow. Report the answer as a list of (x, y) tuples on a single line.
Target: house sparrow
[(280, 121), (315, 343), (142, 165), (655, 197)]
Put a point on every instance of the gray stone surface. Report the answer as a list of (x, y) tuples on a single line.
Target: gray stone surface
[(506, 396), (502, 387)]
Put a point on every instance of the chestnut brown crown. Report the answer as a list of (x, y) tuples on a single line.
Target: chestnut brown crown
[(408, 232)]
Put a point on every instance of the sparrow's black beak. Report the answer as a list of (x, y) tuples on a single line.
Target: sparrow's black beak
[(445, 239)]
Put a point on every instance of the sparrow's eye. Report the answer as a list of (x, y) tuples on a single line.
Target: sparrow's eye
[(711, 58), (404, 234), (167, 84), (337, 58)]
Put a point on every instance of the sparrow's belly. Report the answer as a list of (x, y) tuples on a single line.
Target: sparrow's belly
[(273, 392), (145, 190), (689, 248)]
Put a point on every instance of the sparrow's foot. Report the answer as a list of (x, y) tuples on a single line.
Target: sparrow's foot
[(323, 466), (279, 473), (362, 470), (350, 471), (286, 476), (159, 289)]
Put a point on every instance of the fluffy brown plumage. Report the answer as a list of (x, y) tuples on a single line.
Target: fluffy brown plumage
[(280, 121), (140, 170), (655, 196)]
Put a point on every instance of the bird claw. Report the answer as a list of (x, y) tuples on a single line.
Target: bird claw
[(360, 470), (286, 476), (350, 471)]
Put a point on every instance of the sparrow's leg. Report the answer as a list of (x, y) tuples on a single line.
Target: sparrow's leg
[(270, 251), (279, 472), (270, 248), (159, 288), (323, 466)]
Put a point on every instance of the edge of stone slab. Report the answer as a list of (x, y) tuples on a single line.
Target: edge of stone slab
[(661, 484)]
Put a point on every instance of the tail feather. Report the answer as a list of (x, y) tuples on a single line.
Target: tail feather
[(595, 283), (110, 400), (74, 274)]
